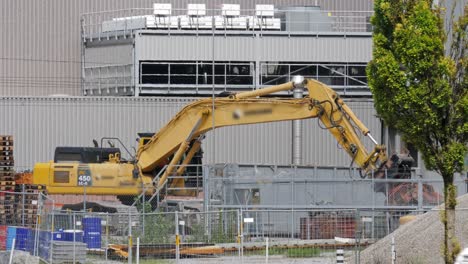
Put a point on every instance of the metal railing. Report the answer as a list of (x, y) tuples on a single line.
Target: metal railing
[(121, 23)]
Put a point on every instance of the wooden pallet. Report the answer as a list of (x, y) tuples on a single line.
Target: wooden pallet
[(26, 205), (7, 163), (4, 169), (7, 178), (7, 199), (6, 157), (7, 195), (34, 187), (7, 211), (8, 153), (6, 143), (6, 148), (27, 212), (8, 221), (7, 188), (7, 183), (6, 137)]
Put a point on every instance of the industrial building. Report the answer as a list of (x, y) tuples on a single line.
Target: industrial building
[(81, 52), (83, 70)]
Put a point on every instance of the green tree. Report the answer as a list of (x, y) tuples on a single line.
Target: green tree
[(419, 83)]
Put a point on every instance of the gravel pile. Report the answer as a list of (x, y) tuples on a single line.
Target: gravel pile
[(419, 241), (19, 257)]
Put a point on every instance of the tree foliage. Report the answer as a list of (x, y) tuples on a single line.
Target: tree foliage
[(419, 82), (419, 87)]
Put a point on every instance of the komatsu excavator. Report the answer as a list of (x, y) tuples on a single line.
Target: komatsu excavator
[(102, 172)]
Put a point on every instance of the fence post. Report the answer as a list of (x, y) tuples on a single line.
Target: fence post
[(74, 237), (130, 244), (177, 237), (52, 229), (12, 250), (357, 235), (107, 233), (339, 256), (420, 194), (138, 251), (143, 210), (238, 234), (23, 199), (266, 249), (242, 235)]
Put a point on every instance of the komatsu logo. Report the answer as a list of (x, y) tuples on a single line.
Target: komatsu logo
[(238, 113)]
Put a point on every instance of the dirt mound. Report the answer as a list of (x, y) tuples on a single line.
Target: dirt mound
[(419, 241)]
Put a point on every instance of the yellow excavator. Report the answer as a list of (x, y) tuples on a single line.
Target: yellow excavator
[(101, 171)]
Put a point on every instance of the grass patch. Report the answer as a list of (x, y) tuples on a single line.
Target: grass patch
[(289, 252), (155, 261)]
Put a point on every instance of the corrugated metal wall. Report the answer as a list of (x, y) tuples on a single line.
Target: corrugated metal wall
[(41, 124), (40, 49), (248, 48)]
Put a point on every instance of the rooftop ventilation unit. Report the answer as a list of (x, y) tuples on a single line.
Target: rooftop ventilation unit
[(264, 10), (264, 18), (230, 18), (162, 9), (162, 17), (196, 10), (195, 18), (230, 10)]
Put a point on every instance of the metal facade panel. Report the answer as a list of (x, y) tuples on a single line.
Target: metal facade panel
[(40, 47), (41, 124), (40, 50), (177, 47), (361, 5), (108, 55), (247, 48), (268, 143), (321, 148)]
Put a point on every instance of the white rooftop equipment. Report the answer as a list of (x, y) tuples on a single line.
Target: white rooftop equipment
[(196, 9), (162, 9), (264, 18), (162, 17), (264, 10), (195, 18), (230, 18), (230, 10)]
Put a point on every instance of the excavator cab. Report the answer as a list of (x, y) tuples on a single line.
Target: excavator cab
[(84, 154), (143, 139)]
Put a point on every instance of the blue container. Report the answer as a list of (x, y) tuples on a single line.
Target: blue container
[(92, 232), (31, 240), (11, 234), (22, 234), (58, 235), (44, 244), (68, 235)]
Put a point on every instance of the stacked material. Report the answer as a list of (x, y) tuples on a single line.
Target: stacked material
[(7, 180), (420, 240), (68, 252), (18, 201), (27, 204)]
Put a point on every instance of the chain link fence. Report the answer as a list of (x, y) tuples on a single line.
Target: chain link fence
[(320, 235)]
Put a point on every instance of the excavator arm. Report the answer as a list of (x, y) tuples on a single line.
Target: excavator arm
[(194, 120)]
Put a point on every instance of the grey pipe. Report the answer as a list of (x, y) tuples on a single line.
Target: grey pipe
[(298, 92)]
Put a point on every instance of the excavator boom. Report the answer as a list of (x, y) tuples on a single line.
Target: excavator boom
[(248, 108), (178, 142)]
